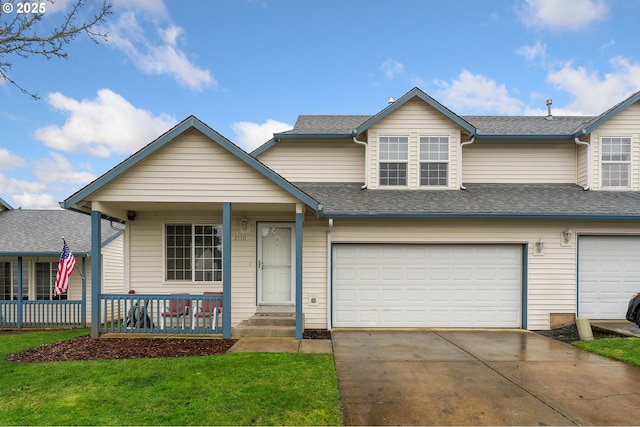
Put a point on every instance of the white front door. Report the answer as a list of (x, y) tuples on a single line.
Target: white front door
[(276, 263)]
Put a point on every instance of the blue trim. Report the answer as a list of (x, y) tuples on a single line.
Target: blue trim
[(189, 123), (577, 274), (299, 319), (20, 279), (608, 115), (226, 270), (416, 93), (6, 205), (441, 215), (83, 308), (96, 272), (112, 238), (525, 285), (264, 147)]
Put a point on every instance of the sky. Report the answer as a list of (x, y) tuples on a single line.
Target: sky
[(248, 68)]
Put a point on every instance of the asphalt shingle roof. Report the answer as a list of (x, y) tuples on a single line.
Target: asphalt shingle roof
[(486, 125), (478, 200), (39, 231)]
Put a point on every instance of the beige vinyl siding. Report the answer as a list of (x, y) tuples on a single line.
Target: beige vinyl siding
[(317, 160), (533, 162), (314, 273), (625, 124), (113, 266), (582, 172), (192, 168), (551, 280), (414, 119)]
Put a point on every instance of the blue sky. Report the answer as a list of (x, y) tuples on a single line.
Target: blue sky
[(248, 68)]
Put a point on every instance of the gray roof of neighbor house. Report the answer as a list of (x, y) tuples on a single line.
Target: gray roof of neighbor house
[(4, 205), (25, 232), (543, 201)]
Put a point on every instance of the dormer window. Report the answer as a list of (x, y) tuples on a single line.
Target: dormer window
[(393, 157), (616, 162), (434, 160)]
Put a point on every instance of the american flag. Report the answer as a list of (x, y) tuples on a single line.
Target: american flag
[(65, 268)]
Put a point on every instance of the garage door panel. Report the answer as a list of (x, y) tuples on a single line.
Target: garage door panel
[(427, 286), (608, 274)]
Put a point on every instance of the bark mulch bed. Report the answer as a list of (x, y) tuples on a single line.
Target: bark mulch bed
[(569, 334), (85, 348)]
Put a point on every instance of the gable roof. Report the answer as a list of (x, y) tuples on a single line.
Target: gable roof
[(5, 205), (598, 121), (190, 122), (25, 232), (478, 201), (415, 93)]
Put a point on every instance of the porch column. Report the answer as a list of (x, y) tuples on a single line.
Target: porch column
[(226, 270), (83, 310), (299, 319), (20, 301), (96, 272)]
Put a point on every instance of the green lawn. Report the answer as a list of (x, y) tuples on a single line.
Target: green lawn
[(624, 349), (230, 389)]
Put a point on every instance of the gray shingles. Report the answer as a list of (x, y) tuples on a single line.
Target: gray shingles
[(481, 200), (39, 231)]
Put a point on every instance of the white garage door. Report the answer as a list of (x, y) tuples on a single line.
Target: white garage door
[(427, 286), (608, 274)]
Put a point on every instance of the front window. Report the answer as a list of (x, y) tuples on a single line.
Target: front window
[(393, 157), (5, 281), (193, 252), (45, 280), (616, 162), (434, 160)]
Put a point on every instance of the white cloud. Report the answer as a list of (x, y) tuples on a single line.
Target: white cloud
[(476, 94), (156, 57), (100, 127), (390, 68), (592, 92), (536, 52), (36, 201), (9, 160), (562, 15), (250, 135), (59, 170)]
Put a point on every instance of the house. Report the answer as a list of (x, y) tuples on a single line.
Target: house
[(30, 247), (411, 217)]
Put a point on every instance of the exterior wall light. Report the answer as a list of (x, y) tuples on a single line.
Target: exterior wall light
[(244, 224), (538, 247), (566, 236)]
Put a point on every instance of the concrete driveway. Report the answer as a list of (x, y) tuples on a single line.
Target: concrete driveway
[(457, 377)]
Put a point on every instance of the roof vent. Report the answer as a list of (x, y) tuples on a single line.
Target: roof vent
[(391, 100), (549, 102)]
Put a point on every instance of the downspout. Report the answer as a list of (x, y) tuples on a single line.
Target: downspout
[(366, 161), (473, 138), (329, 295), (577, 141)]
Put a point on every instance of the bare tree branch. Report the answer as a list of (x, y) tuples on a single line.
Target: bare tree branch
[(19, 32)]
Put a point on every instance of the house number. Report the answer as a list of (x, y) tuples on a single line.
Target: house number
[(239, 237)]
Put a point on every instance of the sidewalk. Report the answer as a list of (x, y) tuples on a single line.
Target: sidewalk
[(281, 345)]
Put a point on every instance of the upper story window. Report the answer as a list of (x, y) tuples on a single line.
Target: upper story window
[(434, 160), (616, 161), (193, 252), (393, 158)]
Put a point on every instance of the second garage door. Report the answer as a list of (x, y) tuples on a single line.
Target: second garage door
[(427, 285)]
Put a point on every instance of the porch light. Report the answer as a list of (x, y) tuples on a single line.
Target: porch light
[(131, 215), (539, 247), (244, 224), (566, 236)]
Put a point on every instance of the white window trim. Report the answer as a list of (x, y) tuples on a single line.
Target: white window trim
[(421, 161), (405, 161), (629, 163), (193, 224)]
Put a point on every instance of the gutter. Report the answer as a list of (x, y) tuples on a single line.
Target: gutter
[(577, 141), (366, 161), (473, 138)]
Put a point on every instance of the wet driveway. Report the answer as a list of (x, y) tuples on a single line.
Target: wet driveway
[(470, 377)]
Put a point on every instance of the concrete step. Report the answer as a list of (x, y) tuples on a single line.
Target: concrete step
[(273, 319), (246, 330)]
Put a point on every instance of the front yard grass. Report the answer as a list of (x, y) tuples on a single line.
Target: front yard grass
[(229, 389), (624, 349)]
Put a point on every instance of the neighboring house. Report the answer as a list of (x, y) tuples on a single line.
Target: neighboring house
[(30, 247), (412, 217)]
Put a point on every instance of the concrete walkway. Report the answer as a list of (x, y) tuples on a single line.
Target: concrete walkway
[(281, 345), (494, 377)]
